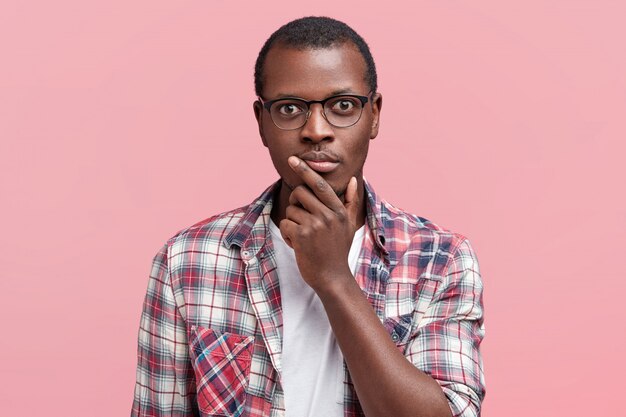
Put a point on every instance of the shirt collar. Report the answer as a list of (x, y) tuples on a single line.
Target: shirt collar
[(252, 229)]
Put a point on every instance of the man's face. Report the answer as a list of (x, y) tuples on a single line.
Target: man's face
[(315, 74)]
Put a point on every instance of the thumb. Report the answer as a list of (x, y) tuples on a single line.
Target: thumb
[(352, 200)]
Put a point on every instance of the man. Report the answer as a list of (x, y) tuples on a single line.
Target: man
[(319, 298)]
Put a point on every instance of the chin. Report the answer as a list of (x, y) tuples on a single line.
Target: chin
[(340, 190)]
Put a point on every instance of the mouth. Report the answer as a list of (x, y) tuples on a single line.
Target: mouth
[(322, 166), (320, 162)]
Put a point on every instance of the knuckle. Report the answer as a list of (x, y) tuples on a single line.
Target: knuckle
[(320, 184), (327, 218), (319, 224)]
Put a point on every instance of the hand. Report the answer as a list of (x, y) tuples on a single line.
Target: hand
[(319, 227)]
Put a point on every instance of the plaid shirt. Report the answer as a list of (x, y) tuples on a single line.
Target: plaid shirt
[(210, 334)]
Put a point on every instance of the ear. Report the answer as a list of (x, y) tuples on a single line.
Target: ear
[(377, 105), (258, 114)]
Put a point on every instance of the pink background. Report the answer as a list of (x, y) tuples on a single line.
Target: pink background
[(123, 122)]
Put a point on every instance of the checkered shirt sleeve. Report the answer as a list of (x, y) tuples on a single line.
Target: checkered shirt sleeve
[(165, 382), (449, 334)]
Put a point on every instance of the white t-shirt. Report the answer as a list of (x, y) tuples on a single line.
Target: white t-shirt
[(312, 363)]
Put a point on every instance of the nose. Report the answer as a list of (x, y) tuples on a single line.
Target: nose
[(316, 128)]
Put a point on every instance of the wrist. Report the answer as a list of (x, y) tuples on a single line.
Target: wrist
[(336, 285)]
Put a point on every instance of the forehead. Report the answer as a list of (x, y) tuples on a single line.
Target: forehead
[(314, 73)]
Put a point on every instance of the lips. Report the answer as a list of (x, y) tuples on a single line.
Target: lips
[(322, 166), (320, 161)]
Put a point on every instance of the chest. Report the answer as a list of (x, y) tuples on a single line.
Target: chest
[(232, 292)]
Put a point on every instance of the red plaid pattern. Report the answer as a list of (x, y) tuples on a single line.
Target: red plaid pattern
[(210, 334), (222, 365)]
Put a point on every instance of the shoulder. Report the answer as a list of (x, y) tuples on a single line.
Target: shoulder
[(430, 245), (209, 231), (402, 225), (225, 229)]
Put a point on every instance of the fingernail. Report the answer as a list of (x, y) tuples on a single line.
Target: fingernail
[(293, 161)]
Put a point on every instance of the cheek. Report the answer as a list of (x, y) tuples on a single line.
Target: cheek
[(359, 147), (278, 159), (279, 155)]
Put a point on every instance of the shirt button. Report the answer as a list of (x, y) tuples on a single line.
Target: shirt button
[(395, 337), (245, 253)]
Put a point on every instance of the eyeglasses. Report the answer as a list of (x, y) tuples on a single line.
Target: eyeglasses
[(291, 113)]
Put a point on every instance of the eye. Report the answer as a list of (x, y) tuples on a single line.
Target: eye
[(344, 105), (289, 108)]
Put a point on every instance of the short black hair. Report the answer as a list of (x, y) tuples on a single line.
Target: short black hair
[(315, 32)]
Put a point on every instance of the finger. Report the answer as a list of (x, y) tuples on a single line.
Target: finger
[(297, 214), (287, 230), (302, 196), (352, 200), (316, 183)]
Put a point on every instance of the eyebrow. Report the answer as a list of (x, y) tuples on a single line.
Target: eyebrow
[(333, 93)]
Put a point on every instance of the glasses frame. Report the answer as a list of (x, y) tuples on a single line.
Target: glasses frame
[(308, 103)]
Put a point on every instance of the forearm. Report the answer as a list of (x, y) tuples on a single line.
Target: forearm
[(385, 381)]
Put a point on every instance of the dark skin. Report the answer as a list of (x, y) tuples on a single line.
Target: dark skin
[(319, 212)]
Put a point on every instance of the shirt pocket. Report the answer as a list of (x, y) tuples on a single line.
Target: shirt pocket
[(221, 363)]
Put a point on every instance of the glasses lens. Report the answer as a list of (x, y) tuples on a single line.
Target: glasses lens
[(289, 113), (343, 111)]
